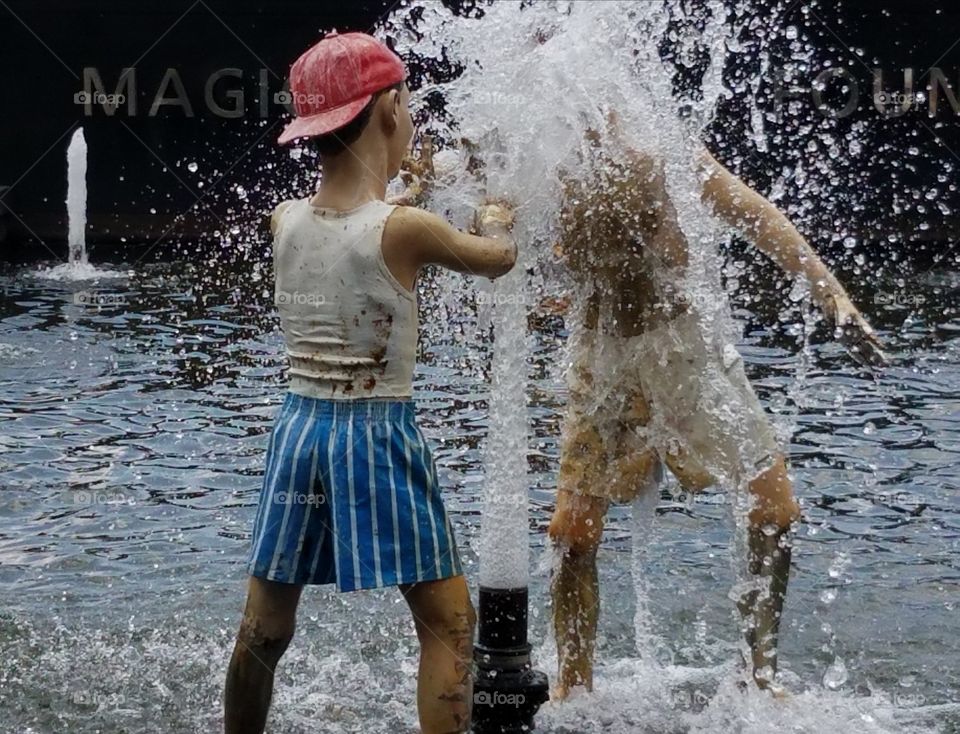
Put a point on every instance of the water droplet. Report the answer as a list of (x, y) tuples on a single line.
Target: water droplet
[(837, 566), (193, 167), (827, 596), (869, 429), (792, 32), (835, 675)]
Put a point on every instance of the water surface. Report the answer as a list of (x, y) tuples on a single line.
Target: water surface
[(132, 437)]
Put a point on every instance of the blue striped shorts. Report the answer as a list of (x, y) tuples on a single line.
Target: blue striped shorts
[(350, 496)]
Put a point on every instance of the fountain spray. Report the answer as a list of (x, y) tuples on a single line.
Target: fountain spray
[(507, 691), (530, 89)]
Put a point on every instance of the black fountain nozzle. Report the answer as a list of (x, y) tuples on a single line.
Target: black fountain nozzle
[(507, 692)]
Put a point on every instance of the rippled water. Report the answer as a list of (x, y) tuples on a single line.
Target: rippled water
[(132, 439)]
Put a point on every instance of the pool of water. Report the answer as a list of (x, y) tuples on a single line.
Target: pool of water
[(133, 421)]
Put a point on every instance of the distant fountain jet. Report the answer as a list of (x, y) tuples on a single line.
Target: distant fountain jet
[(77, 198), (77, 267)]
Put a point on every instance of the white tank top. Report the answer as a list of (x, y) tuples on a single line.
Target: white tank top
[(350, 326)]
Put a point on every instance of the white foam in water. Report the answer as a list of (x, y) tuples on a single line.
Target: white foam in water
[(78, 271), (77, 267), (534, 79), (629, 699)]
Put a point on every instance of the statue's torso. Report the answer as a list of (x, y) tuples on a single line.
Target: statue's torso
[(622, 242)]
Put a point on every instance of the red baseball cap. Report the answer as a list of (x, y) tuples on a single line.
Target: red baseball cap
[(335, 79)]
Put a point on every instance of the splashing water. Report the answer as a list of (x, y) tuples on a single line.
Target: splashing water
[(535, 87), (534, 83)]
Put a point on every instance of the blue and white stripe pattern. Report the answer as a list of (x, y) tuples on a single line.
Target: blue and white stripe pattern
[(350, 495)]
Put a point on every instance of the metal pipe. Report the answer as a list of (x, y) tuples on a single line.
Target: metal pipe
[(507, 692)]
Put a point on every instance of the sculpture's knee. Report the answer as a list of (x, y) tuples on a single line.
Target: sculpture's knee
[(577, 523), (774, 502), (263, 643)]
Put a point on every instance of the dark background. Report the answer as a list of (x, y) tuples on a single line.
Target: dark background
[(144, 197)]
